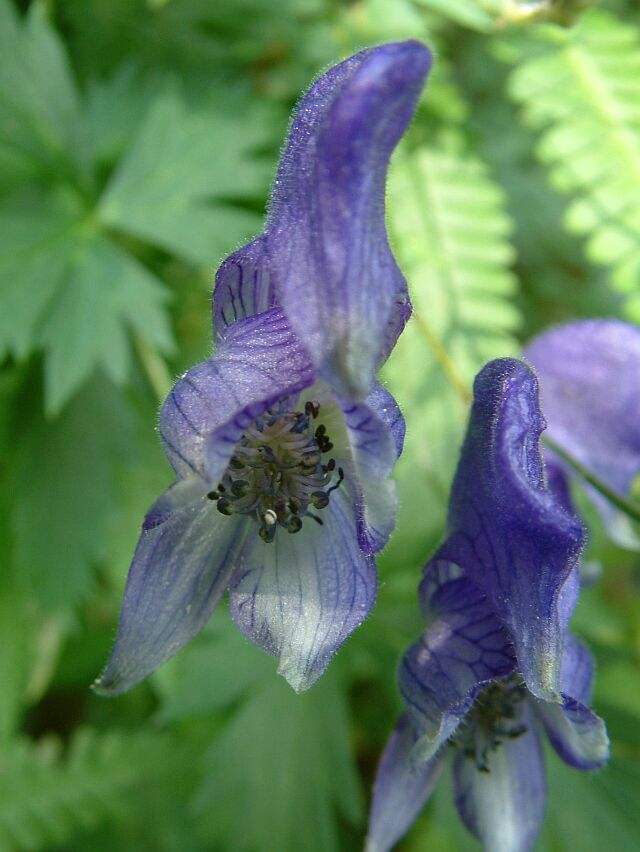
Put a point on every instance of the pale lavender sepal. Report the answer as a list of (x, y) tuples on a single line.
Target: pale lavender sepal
[(401, 788), (504, 807), (301, 596), (465, 648), (375, 431), (577, 734), (258, 362), (180, 570)]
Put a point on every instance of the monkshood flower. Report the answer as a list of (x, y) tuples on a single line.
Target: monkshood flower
[(496, 665), (589, 375), (282, 442)]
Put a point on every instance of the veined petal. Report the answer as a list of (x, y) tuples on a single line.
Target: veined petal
[(244, 287), (301, 596), (576, 733), (333, 270), (504, 807), (180, 569), (507, 531), (588, 373), (401, 788), (465, 648), (259, 361), (375, 430)]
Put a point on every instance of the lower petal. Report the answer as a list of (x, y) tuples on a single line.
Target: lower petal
[(301, 596), (375, 430), (180, 569), (440, 675), (576, 733), (504, 807), (401, 788)]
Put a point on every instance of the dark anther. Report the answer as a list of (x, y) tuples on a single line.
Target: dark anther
[(294, 525), (267, 534), (240, 487), (295, 506), (312, 409), (330, 465), (213, 495), (320, 431), (319, 499), (225, 506), (327, 447), (337, 484), (316, 519), (235, 463)]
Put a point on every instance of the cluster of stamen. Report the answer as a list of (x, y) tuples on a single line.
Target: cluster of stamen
[(277, 472), (494, 718)]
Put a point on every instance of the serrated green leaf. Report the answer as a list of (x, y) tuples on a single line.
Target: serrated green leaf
[(47, 798), (35, 249), (171, 186), (582, 90), (450, 233), (106, 294), (62, 478), (38, 98)]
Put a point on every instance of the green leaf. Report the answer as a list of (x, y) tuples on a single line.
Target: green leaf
[(62, 479), (172, 185), (47, 798), (106, 294), (282, 764), (450, 231), (581, 90), (35, 249), (38, 98), (469, 13)]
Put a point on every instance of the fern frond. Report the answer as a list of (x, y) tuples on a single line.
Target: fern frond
[(49, 798), (450, 232), (582, 91)]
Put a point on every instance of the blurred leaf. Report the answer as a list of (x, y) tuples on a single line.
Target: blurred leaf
[(282, 764), (582, 89), (469, 13), (62, 476), (38, 99), (182, 165), (35, 245), (283, 770), (450, 231), (47, 798), (592, 812), (106, 293)]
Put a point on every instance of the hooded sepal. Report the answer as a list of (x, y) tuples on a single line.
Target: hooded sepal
[(508, 531)]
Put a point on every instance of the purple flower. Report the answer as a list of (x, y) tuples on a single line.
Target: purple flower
[(496, 664), (590, 388), (282, 442)]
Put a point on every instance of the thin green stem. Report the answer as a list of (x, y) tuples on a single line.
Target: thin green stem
[(442, 357), (154, 367), (627, 506)]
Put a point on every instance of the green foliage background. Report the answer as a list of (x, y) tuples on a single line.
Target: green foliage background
[(138, 139)]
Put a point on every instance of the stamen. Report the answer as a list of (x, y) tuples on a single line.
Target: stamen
[(276, 473)]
